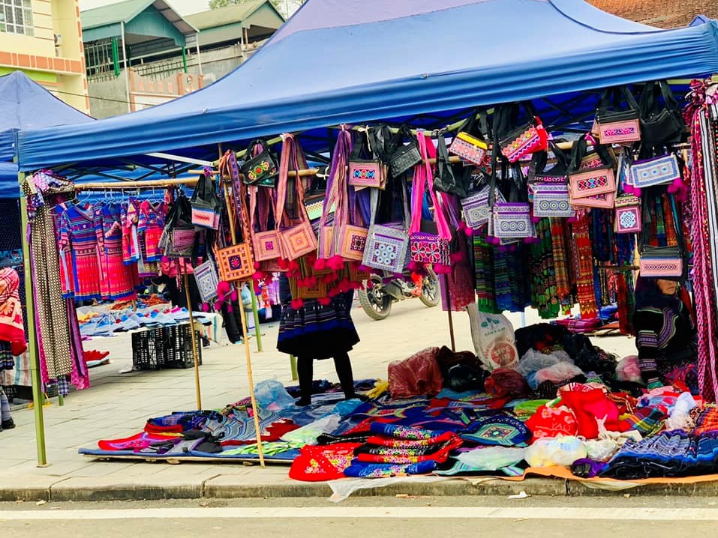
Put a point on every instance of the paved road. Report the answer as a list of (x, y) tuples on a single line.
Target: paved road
[(362, 517)]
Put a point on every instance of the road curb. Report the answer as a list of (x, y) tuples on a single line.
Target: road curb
[(238, 487)]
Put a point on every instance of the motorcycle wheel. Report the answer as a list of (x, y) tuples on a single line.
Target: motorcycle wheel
[(375, 303), (430, 292)]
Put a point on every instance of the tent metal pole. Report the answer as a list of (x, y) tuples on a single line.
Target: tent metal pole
[(38, 397), (127, 68)]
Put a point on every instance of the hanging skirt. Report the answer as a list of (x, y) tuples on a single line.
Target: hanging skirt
[(317, 331)]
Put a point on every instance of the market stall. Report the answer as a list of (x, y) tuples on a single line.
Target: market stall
[(541, 175)]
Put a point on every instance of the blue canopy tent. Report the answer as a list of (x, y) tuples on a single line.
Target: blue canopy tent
[(339, 61), (419, 61), (24, 104)]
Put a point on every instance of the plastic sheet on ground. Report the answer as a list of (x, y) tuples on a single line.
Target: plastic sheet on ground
[(345, 487)]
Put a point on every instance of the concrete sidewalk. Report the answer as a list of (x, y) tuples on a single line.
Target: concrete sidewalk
[(118, 406)]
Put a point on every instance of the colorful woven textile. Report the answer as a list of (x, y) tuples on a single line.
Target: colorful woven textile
[(647, 421), (584, 264), (500, 430)]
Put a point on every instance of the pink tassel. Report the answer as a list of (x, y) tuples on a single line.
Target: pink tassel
[(414, 266), (205, 307), (461, 227), (442, 269), (218, 306), (535, 220), (333, 292), (311, 282), (324, 301), (636, 191), (256, 265), (283, 264), (328, 279), (259, 275), (234, 296), (297, 304), (336, 263), (676, 185), (456, 257), (364, 269), (469, 232), (223, 288), (294, 265), (320, 264), (230, 308)]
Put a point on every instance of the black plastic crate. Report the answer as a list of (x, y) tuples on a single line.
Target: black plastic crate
[(164, 347), (179, 347)]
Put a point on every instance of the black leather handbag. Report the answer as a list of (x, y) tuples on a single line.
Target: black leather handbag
[(260, 168), (661, 125)]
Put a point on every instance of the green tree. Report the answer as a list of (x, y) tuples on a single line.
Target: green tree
[(281, 5)]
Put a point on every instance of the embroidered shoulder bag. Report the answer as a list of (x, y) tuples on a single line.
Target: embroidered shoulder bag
[(404, 156), (365, 172), (427, 247), (260, 168), (387, 246), (596, 181), (295, 231), (618, 126), (667, 262), (524, 139), (468, 144), (205, 204)]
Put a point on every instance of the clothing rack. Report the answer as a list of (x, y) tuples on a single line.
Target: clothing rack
[(128, 185)]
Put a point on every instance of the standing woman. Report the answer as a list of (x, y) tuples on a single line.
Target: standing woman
[(665, 329), (316, 331)]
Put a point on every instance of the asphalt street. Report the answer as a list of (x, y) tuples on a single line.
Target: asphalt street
[(377, 517)]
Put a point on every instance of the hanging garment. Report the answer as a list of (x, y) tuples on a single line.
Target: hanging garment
[(544, 293), (584, 264), (78, 237), (121, 278), (150, 225), (484, 274), (51, 315)]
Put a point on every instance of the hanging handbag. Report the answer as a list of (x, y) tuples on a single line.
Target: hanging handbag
[(660, 126), (369, 172), (470, 148), (618, 126), (552, 200), (205, 274), (178, 236), (511, 220), (387, 247), (518, 141), (585, 183), (477, 211), (549, 190), (405, 156), (266, 243), (426, 246), (296, 234), (205, 203), (260, 168), (628, 214), (664, 262), (445, 180), (236, 262), (655, 171)]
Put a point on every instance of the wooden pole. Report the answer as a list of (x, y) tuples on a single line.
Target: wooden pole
[(245, 337), (198, 391), (250, 378), (126, 185), (451, 318)]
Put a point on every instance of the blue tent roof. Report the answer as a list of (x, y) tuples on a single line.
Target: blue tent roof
[(24, 104), (350, 61)]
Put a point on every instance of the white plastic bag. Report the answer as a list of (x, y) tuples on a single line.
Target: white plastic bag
[(272, 396), (308, 434), (561, 371), (492, 458), (561, 450), (493, 337), (533, 361), (601, 449)]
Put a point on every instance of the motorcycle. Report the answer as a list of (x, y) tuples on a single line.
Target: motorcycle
[(381, 291)]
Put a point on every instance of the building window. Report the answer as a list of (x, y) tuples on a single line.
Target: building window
[(16, 17)]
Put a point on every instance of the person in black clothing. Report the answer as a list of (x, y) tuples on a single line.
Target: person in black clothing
[(316, 331), (665, 330)]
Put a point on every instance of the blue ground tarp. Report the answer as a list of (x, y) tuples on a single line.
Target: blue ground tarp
[(24, 104), (351, 61)]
